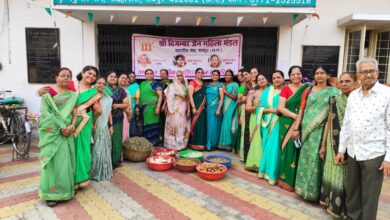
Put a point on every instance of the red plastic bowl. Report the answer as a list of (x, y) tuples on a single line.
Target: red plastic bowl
[(164, 152), (212, 176), (186, 168), (160, 166)]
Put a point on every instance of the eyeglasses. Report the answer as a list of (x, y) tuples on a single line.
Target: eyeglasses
[(366, 72)]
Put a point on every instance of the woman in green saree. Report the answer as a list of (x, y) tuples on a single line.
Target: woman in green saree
[(56, 143), (255, 152), (150, 101), (101, 168), (313, 113), (120, 102), (289, 101), (249, 87), (87, 104), (240, 93), (197, 99), (242, 97), (229, 125), (269, 165), (333, 190)]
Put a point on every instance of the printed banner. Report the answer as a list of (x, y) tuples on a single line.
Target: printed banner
[(186, 54)]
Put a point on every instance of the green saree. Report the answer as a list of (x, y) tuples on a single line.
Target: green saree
[(333, 191), (148, 101), (255, 152), (309, 171), (237, 136), (57, 153), (290, 154), (198, 121), (83, 141)]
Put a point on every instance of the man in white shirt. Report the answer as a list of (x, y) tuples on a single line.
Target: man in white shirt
[(365, 136)]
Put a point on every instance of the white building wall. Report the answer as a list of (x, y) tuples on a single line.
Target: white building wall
[(14, 74), (325, 32)]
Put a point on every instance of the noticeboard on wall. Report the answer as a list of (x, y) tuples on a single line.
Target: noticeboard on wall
[(314, 56), (43, 54)]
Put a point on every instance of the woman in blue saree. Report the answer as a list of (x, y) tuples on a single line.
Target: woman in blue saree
[(214, 102), (133, 91), (229, 125), (269, 165)]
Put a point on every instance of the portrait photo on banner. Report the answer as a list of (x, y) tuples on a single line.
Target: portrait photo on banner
[(186, 54)]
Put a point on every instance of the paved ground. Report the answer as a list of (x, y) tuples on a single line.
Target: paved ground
[(136, 192)]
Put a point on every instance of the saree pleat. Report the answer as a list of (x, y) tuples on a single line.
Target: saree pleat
[(57, 153), (198, 121), (290, 154), (309, 171), (255, 152), (333, 190), (83, 141), (229, 126), (116, 154), (246, 136), (101, 168), (242, 132), (269, 165), (213, 122)]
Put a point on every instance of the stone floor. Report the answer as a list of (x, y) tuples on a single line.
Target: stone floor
[(135, 192)]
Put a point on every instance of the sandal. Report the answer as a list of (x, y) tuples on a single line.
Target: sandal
[(51, 203)]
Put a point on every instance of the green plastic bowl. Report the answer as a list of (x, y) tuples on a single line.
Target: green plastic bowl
[(185, 154)]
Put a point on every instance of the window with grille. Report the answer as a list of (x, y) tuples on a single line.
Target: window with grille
[(353, 50), (382, 55)]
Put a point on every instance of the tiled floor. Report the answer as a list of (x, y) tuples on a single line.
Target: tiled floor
[(135, 192)]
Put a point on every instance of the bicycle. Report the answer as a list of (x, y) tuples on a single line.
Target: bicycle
[(14, 125)]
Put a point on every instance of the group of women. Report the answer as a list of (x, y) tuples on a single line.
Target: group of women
[(289, 134), (286, 133)]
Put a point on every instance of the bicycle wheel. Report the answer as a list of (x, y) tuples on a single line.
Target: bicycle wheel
[(3, 136), (21, 138)]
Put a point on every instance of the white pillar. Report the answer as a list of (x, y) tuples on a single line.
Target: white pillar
[(90, 56), (284, 49)]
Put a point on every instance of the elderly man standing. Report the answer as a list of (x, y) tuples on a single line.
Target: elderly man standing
[(365, 136)]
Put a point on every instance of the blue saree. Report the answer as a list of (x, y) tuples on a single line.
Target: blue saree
[(213, 121), (230, 118), (269, 165)]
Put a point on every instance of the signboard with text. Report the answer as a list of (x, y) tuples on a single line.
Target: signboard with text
[(186, 54), (264, 3), (314, 56), (43, 54)]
